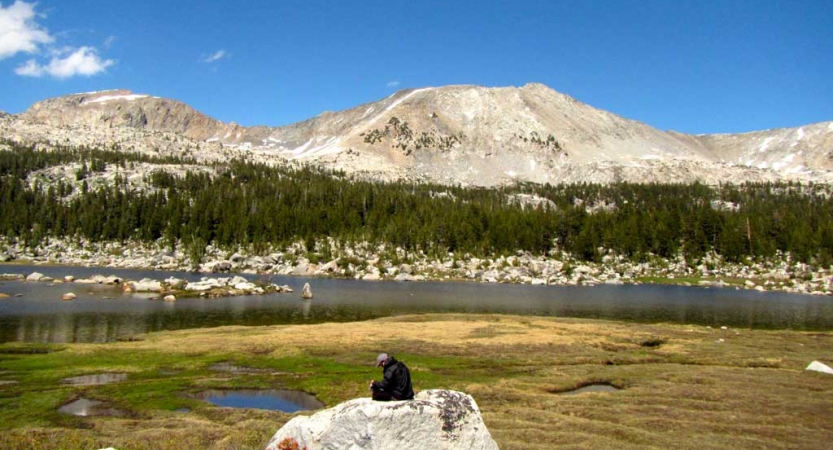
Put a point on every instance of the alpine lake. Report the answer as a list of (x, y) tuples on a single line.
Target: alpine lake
[(645, 365)]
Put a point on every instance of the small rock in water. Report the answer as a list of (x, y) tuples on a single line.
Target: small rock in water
[(69, 296), (306, 292), (34, 276), (69, 278), (145, 285), (170, 298), (819, 367), (3, 295)]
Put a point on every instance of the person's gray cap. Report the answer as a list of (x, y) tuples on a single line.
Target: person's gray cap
[(381, 358)]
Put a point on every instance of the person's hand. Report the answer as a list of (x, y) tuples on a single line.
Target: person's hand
[(371, 384)]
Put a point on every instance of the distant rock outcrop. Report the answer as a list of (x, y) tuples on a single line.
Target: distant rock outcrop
[(433, 420)]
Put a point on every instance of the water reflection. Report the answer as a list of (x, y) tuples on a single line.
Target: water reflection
[(40, 315), (591, 388), (95, 380), (237, 370), (272, 399), (85, 407)]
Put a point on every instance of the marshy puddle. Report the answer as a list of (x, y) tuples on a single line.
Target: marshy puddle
[(591, 388), (84, 407), (271, 399), (228, 367), (96, 379)]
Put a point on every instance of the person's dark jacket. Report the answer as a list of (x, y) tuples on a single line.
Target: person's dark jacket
[(397, 380)]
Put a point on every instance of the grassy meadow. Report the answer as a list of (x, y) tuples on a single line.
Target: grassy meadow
[(682, 386)]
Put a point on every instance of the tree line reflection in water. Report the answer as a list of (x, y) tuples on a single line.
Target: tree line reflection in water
[(106, 315)]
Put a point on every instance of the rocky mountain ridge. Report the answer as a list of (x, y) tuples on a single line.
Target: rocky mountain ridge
[(467, 135)]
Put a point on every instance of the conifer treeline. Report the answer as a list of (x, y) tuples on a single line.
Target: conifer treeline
[(254, 205)]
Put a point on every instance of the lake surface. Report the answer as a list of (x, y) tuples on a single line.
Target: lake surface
[(105, 313)]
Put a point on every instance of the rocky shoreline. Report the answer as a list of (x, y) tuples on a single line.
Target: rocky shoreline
[(168, 289), (363, 261)]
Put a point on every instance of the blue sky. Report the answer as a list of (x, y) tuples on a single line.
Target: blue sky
[(692, 66)]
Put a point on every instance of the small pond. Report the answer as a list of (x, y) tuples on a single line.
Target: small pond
[(272, 399), (84, 407), (228, 367), (96, 379), (592, 388)]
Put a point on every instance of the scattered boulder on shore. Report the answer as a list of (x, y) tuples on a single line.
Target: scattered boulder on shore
[(99, 279), (435, 419), (145, 285), (12, 276)]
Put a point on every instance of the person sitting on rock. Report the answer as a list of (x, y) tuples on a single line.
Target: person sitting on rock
[(396, 382)]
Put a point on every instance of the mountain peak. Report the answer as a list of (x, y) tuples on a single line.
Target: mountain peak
[(467, 134), (123, 108)]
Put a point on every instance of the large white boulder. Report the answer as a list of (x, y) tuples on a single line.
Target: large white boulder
[(819, 367), (434, 419)]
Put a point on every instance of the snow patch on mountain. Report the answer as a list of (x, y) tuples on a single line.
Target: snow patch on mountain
[(765, 144), (108, 98), (317, 147)]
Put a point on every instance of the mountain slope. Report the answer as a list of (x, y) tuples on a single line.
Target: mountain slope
[(453, 134)]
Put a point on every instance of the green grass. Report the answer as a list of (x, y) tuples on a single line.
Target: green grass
[(692, 280), (691, 391)]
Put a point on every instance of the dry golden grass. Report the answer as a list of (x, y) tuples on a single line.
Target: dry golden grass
[(700, 388)]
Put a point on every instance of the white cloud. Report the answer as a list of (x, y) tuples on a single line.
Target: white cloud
[(83, 61), (216, 56), (18, 30), (393, 84), (19, 33), (29, 69)]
